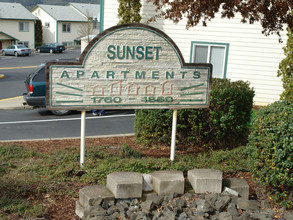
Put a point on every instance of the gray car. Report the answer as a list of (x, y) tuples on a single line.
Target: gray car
[(16, 50)]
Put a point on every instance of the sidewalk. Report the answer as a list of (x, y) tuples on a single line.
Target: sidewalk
[(15, 103)]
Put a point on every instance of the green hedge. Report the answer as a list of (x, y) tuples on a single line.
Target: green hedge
[(225, 123), (270, 150)]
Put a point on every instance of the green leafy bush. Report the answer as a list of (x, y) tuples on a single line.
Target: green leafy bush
[(286, 68), (270, 150), (225, 123)]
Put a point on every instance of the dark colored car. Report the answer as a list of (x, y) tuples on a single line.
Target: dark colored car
[(36, 90), (16, 50), (51, 48)]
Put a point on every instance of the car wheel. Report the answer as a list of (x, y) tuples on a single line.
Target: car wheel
[(27, 54), (16, 54), (61, 112), (51, 51), (4, 53), (38, 50)]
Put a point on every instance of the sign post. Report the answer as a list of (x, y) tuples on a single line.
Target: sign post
[(82, 137), (129, 66), (173, 138)]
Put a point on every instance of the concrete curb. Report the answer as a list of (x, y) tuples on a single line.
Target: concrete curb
[(15, 103)]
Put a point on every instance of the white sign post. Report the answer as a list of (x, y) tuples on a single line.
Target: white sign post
[(131, 66), (82, 137), (173, 138)]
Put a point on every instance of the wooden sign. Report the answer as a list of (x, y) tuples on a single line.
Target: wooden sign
[(131, 66)]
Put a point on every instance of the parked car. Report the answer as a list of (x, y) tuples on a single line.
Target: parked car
[(51, 48), (35, 84), (16, 50)]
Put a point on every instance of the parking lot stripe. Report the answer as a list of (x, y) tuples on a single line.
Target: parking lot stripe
[(17, 97), (65, 119), (20, 67)]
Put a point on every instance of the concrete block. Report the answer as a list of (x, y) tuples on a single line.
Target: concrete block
[(205, 180), (79, 210), (125, 185), (246, 204), (228, 191), (147, 183), (82, 212), (168, 181), (239, 185), (90, 194)]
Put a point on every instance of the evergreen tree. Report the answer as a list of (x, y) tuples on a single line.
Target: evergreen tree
[(128, 11), (286, 68), (38, 33)]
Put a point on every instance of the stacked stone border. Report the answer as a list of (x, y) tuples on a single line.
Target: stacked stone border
[(167, 195)]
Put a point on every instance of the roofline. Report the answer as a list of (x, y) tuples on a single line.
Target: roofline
[(53, 16), (13, 38), (70, 4), (34, 7), (19, 19), (77, 9), (38, 5)]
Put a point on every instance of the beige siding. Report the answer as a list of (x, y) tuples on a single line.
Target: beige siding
[(252, 56), (110, 13), (53, 33), (49, 33), (11, 27)]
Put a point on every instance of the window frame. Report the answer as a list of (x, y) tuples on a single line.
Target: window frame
[(210, 45), (67, 25), (26, 27)]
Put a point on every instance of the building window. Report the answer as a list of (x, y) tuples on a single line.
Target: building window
[(69, 43), (47, 24), (66, 27), (23, 26), (214, 53), (25, 43)]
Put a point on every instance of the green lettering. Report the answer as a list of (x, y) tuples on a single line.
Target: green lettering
[(118, 53), (139, 51), (157, 52), (169, 75), (64, 74), (95, 74), (148, 53), (110, 47), (196, 75), (155, 74), (110, 73), (140, 75), (79, 73), (124, 72), (183, 74), (130, 52)]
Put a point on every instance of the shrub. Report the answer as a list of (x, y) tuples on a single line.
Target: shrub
[(270, 150), (225, 123)]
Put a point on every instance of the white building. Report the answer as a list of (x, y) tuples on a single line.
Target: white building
[(17, 25), (63, 24), (237, 51)]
